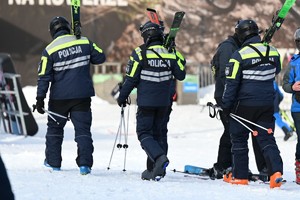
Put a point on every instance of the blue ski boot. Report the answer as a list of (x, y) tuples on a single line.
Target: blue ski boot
[(84, 170)]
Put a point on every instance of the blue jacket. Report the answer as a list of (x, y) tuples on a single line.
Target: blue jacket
[(249, 82), (65, 63), (152, 78), (292, 75)]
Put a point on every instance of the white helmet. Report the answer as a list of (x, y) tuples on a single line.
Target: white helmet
[(297, 34), (297, 38)]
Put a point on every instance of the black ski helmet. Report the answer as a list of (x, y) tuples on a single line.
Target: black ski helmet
[(297, 38), (246, 29), (58, 24), (152, 32)]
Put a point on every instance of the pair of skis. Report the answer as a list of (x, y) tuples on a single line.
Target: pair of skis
[(169, 42)]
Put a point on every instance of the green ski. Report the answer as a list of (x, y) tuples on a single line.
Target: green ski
[(278, 20), (75, 16), (170, 40)]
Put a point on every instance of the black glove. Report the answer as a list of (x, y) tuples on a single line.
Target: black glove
[(40, 105), (121, 103)]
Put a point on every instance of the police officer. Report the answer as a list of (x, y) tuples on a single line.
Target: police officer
[(150, 69), (221, 58), (65, 63), (249, 93), (224, 159)]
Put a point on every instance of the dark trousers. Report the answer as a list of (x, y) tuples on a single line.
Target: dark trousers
[(296, 118), (80, 114), (163, 140), (224, 159), (150, 121), (263, 116), (5, 187)]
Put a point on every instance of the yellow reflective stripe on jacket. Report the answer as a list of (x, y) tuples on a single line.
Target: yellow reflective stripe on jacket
[(65, 45), (181, 66), (134, 67), (235, 69), (44, 61), (179, 55), (97, 48), (247, 52), (181, 58), (163, 55)]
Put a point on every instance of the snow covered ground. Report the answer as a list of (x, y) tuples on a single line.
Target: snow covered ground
[(193, 139)]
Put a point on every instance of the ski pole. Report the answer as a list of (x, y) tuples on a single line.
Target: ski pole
[(56, 114), (269, 130), (50, 115), (255, 133), (125, 145), (122, 128)]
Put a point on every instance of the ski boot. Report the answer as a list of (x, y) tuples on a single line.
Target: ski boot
[(158, 171), (84, 170), (51, 167), (216, 172), (229, 179), (276, 180), (297, 169), (287, 133)]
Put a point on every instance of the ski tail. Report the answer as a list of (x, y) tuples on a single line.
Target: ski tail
[(190, 169), (153, 16), (75, 16), (278, 20)]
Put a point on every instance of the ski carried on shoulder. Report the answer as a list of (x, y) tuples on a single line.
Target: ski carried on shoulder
[(75, 16), (278, 20), (170, 40)]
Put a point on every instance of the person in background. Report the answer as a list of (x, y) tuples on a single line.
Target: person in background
[(287, 130), (150, 69), (291, 84), (65, 63), (249, 93)]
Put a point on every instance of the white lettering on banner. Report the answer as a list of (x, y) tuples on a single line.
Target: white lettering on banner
[(69, 51), (68, 2)]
